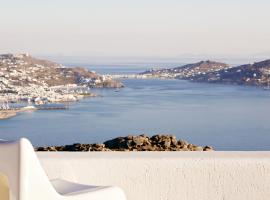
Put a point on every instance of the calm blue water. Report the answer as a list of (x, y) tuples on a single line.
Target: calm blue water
[(226, 117)]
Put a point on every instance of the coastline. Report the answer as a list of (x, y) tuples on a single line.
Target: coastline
[(29, 80), (7, 114), (10, 113)]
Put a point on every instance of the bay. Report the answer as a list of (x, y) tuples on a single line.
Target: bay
[(227, 117)]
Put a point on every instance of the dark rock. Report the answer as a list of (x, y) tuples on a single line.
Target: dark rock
[(208, 148), (117, 143)]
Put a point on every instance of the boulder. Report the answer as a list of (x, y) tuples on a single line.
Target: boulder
[(208, 148)]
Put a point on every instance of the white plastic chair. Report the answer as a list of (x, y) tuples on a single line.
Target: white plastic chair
[(23, 178)]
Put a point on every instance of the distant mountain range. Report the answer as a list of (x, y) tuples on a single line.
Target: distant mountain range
[(216, 72)]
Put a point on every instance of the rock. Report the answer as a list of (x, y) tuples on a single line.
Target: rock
[(133, 143), (190, 146), (155, 138), (98, 147), (130, 137), (174, 140), (184, 148), (208, 148), (148, 148), (166, 144), (197, 148), (40, 149), (138, 140), (129, 142), (52, 149), (163, 140), (117, 143)]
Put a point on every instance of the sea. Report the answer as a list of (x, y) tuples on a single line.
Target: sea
[(227, 117)]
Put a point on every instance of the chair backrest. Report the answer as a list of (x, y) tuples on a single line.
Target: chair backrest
[(26, 177)]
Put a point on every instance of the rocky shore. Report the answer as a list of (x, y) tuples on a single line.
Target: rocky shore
[(133, 143)]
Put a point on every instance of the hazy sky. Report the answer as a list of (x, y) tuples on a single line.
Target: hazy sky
[(136, 28)]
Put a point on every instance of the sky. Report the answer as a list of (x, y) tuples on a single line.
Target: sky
[(114, 30)]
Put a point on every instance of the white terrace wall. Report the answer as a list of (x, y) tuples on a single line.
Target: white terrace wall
[(168, 175)]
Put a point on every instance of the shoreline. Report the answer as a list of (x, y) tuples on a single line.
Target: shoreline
[(148, 77), (7, 114), (24, 78), (10, 113)]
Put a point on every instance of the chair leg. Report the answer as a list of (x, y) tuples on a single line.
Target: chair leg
[(4, 187)]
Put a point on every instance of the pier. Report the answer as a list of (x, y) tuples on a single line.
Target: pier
[(12, 111), (52, 108)]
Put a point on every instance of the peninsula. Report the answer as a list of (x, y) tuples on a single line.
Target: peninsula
[(257, 74)]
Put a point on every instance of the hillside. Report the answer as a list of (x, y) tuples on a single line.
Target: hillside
[(23, 77), (249, 74), (24, 70), (214, 72), (189, 70)]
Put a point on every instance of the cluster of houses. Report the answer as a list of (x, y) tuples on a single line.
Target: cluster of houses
[(209, 71), (21, 80), (188, 71)]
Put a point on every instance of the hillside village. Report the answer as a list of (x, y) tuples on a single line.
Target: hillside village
[(188, 71), (24, 78), (215, 72), (257, 74)]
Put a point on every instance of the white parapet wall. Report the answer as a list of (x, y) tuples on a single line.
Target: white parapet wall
[(168, 175)]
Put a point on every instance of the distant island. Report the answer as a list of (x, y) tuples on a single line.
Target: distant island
[(257, 74)]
